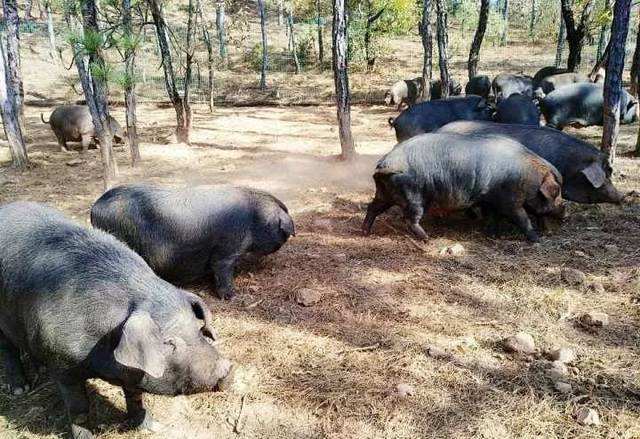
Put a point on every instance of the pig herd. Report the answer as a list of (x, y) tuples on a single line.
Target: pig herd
[(139, 330)]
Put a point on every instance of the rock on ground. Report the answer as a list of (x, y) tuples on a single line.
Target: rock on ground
[(563, 355), (308, 297), (594, 319), (587, 416), (521, 343), (403, 390), (573, 277)]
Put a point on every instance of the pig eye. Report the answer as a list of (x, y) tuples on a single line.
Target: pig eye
[(208, 336)]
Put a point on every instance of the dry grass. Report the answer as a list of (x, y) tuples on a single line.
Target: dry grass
[(300, 372)]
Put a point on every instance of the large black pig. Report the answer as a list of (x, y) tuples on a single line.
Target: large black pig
[(446, 172), (429, 116), (186, 234), (83, 305), (506, 84), (585, 170), (518, 109), (582, 104)]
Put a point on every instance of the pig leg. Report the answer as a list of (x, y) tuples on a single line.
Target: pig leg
[(139, 417), (223, 272), (13, 367), (63, 143), (521, 219), (375, 208), (86, 141), (413, 212), (74, 396)]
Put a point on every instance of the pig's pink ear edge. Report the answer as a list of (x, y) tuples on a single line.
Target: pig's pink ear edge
[(141, 346), (550, 188), (595, 174)]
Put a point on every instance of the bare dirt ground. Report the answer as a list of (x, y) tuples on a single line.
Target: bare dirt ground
[(331, 370)]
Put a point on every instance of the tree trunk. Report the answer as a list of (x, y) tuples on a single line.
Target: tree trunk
[(320, 43), (222, 39), (613, 80), (13, 67), (53, 49), (505, 22), (635, 68), (427, 48), (603, 32), (182, 126), (576, 34), (10, 121), (560, 45), (192, 25), (210, 61), (97, 101), (371, 19), (130, 84), (280, 12), (265, 54), (532, 20), (292, 38), (28, 6), (441, 33), (474, 52), (341, 78)]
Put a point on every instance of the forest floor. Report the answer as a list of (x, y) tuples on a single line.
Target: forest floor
[(387, 303)]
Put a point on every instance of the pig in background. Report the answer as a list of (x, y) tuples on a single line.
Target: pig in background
[(506, 84), (83, 305), (479, 85), (187, 234), (518, 109), (450, 172), (73, 123), (404, 93)]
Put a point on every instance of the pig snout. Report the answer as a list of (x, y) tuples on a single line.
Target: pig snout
[(224, 372)]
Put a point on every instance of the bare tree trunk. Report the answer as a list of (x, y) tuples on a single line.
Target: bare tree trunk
[(474, 52), (280, 12), (28, 6), (96, 94), (192, 25), (292, 38), (532, 21), (576, 34), (10, 121), (603, 32), (635, 70), (53, 49), (320, 42), (13, 66), (560, 46), (222, 39), (265, 54), (182, 120), (210, 61), (441, 33), (130, 84), (371, 19), (427, 48), (505, 21), (613, 80), (341, 78)]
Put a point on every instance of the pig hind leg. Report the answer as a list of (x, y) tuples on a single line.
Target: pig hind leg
[(13, 367), (413, 211), (74, 396), (139, 417)]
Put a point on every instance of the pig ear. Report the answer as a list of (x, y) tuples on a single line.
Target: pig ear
[(550, 187), (141, 346), (595, 174)]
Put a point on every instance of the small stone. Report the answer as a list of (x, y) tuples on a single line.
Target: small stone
[(558, 370), (521, 343), (587, 416), (563, 355), (403, 390), (596, 287), (562, 387), (611, 248), (75, 162), (580, 254), (594, 319), (308, 297), (453, 250), (573, 277), (436, 352)]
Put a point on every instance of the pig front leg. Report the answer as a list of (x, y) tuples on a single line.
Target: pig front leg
[(74, 396), (375, 208), (13, 367), (223, 272), (521, 219), (86, 141), (138, 416)]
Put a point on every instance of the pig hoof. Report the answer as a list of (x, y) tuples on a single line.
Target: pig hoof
[(151, 425), (19, 390), (533, 237), (226, 294)]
